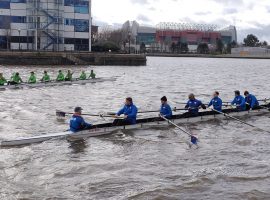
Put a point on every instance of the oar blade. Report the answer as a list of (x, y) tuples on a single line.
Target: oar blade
[(60, 113), (194, 140)]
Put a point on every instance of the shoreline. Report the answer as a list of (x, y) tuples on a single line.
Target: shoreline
[(71, 58)]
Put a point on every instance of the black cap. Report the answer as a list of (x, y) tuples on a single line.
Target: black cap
[(164, 98), (78, 109), (246, 93), (237, 92)]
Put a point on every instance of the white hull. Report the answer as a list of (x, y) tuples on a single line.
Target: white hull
[(54, 83), (110, 130)]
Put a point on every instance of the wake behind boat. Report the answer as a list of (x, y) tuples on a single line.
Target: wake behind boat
[(56, 83), (109, 128)]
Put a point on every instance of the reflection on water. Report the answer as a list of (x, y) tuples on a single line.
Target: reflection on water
[(156, 163)]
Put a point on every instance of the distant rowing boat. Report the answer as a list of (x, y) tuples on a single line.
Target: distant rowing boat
[(55, 83), (108, 128)]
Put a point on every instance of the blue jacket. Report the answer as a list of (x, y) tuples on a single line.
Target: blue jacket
[(217, 103), (251, 100), (240, 102), (166, 110), (193, 106), (130, 111), (77, 123)]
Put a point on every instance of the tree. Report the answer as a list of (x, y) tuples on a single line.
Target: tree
[(184, 48), (220, 45), (251, 41), (264, 44), (203, 48), (173, 47), (142, 48)]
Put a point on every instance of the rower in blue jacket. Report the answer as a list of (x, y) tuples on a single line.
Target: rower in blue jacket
[(165, 109), (239, 101), (130, 114), (77, 123), (216, 102), (251, 100), (193, 105)]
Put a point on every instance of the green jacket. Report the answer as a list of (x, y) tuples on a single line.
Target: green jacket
[(60, 77), (68, 77), (2, 81), (92, 75), (32, 79), (83, 76), (17, 78), (46, 78)]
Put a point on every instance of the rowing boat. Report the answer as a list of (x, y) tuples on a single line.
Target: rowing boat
[(55, 83), (108, 128)]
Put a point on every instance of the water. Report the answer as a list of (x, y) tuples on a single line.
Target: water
[(231, 163)]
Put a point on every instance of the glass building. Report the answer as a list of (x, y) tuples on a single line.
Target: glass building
[(45, 25)]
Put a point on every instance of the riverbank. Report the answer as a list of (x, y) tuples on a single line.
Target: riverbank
[(209, 56), (71, 58)]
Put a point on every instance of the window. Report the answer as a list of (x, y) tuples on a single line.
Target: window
[(17, 1), (68, 3), (81, 25), (18, 19), (69, 22), (5, 4), (81, 9), (4, 22)]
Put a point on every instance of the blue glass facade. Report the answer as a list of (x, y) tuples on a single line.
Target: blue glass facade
[(18, 1), (80, 6), (4, 4), (81, 25)]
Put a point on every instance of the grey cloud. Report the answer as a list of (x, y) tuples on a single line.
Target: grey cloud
[(142, 2), (262, 32), (230, 11), (202, 13), (143, 18)]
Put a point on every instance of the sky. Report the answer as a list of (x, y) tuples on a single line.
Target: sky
[(249, 16)]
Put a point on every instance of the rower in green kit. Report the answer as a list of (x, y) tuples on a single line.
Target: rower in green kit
[(46, 77), (83, 76), (68, 76), (32, 79), (92, 75), (15, 79), (61, 76), (2, 79)]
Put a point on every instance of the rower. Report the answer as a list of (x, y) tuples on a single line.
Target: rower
[(239, 101), (130, 114), (77, 123), (60, 76), (216, 102), (15, 79), (2, 79), (32, 79), (68, 76), (83, 76), (92, 75), (165, 109), (251, 101), (46, 77), (193, 105)]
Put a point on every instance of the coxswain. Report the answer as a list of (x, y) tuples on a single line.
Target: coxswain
[(15, 79), (46, 77), (130, 114), (193, 105), (77, 122), (239, 101), (68, 76), (32, 79), (83, 76), (216, 102), (2, 79), (165, 108), (251, 101), (60, 76), (92, 75)]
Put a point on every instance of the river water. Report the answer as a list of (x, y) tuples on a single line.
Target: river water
[(233, 161)]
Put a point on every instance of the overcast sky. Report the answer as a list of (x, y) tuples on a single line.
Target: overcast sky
[(249, 16)]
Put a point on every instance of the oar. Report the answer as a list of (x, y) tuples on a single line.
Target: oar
[(60, 113), (150, 111), (227, 115), (194, 140)]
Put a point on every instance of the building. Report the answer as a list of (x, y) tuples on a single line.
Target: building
[(45, 25), (161, 37), (250, 51)]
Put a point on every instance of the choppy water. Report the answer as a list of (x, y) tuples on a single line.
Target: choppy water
[(233, 161)]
